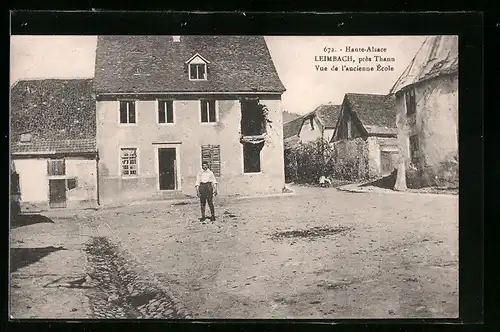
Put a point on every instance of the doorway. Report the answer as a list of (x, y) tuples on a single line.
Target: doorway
[(167, 168), (388, 161), (57, 193)]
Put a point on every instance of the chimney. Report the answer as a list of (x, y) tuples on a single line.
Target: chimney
[(176, 39)]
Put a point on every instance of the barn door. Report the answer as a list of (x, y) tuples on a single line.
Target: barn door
[(57, 193)]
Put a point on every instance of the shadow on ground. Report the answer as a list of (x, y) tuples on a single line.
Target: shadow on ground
[(387, 182), (21, 257), (29, 219)]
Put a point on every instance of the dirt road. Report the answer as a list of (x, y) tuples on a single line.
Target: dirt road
[(371, 255), (319, 254)]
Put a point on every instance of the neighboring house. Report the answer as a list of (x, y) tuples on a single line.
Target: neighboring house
[(427, 113), (289, 116), (165, 104), (291, 131), (319, 123), (372, 118), (52, 143)]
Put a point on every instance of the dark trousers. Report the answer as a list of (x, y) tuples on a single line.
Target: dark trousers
[(207, 196)]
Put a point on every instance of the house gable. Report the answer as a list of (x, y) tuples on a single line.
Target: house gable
[(370, 115)]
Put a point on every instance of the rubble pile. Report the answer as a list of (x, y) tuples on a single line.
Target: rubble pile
[(122, 293)]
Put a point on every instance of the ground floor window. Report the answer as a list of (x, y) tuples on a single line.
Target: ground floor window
[(251, 157), (129, 161)]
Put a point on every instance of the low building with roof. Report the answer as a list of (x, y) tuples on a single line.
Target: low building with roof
[(427, 116), (166, 104), (370, 119), (319, 123), (53, 143)]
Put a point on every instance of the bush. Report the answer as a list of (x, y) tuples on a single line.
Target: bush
[(346, 160)]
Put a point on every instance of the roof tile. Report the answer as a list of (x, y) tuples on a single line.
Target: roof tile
[(237, 63), (60, 115), (373, 109)]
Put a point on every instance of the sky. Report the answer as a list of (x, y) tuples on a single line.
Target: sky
[(39, 57)]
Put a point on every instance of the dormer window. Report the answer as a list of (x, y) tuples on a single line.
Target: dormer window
[(197, 68), (197, 71)]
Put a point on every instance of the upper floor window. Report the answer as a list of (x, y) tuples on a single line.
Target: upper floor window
[(127, 111), (165, 111), (411, 106), (208, 111), (197, 68)]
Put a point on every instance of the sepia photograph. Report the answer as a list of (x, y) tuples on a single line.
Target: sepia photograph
[(233, 177)]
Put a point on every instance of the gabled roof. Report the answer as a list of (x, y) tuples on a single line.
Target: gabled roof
[(157, 64), (327, 115), (437, 56), (197, 55), (292, 128), (373, 110), (59, 114)]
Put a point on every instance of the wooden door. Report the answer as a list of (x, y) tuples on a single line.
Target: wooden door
[(57, 193)]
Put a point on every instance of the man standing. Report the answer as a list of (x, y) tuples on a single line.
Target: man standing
[(206, 188)]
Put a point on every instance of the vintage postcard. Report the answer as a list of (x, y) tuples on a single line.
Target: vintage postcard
[(221, 177)]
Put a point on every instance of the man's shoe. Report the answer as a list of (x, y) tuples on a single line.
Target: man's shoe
[(212, 218), (203, 218)]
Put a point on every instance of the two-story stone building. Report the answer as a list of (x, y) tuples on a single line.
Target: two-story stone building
[(165, 104)]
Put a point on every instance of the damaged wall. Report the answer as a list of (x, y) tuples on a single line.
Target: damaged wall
[(435, 123), (82, 184), (188, 134)]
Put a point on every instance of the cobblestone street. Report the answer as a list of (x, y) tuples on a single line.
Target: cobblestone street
[(320, 253)]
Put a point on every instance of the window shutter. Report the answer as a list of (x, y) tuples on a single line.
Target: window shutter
[(211, 154), (216, 160)]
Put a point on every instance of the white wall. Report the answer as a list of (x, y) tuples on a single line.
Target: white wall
[(33, 179)]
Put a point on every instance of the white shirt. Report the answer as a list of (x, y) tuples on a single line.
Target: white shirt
[(324, 179), (205, 176)]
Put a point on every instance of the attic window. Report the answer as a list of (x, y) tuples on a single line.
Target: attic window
[(197, 68), (26, 138)]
